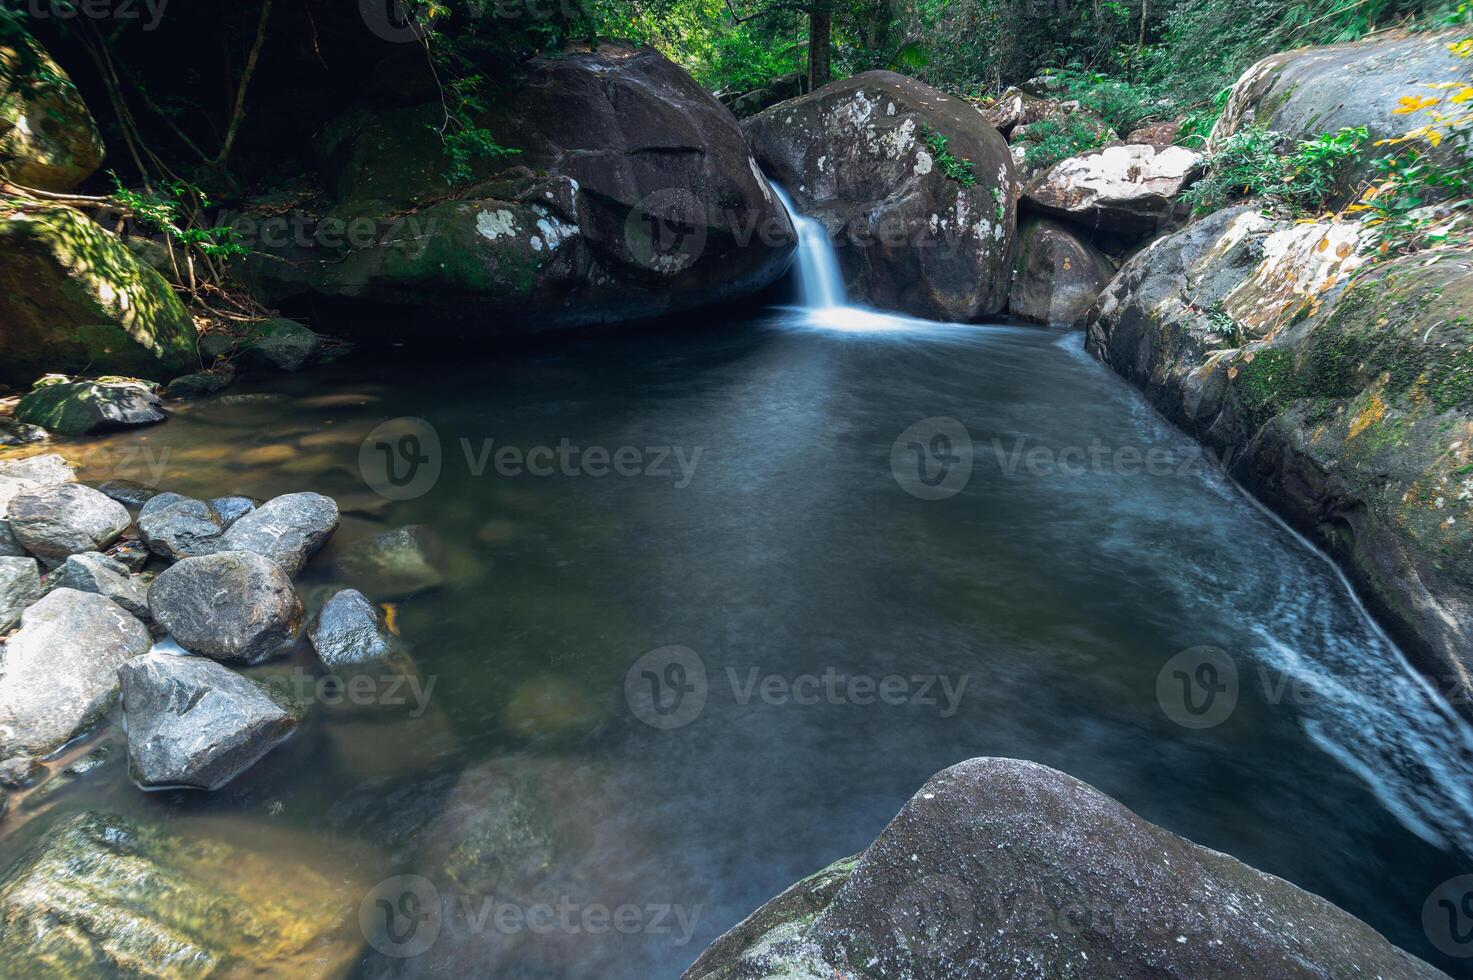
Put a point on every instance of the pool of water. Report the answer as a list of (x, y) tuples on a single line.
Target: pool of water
[(847, 616)]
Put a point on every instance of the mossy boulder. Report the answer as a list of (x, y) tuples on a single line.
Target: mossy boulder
[(48, 139), (1339, 390), (74, 299), (76, 408), (101, 894)]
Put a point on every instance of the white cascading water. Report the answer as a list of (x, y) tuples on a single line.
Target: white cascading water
[(819, 279)]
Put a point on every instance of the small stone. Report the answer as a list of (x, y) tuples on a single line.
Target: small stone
[(20, 772), (232, 606), (131, 553), (279, 345), (349, 631), (176, 526), (53, 522), (201, 384), (20, 587), (13, 433), (128, 493), (194, 723), (104, 576), (232, 509)]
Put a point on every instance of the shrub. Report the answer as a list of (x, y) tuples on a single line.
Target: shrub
[(1249, 164)]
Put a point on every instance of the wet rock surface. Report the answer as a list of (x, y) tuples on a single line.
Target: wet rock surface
[(998, 861), (865, 157), (193, 723), (349, 631), (234, 606), (75, 408), (97, 573), (53, 522), (20, 586), (288, 529), (61, 669), (176, 526)]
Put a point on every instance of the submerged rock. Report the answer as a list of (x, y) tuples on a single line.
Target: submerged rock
[(129, 493), (400, 562), (915, 188), (1340, 393), (76, 408), (288, 529), (61, 669), (177, 527), (20, 587), (1058, 273), (194, 723), (1131, 188), (349, 631), (53, 522), (104, 576), (234, 606), (201, 384), (997, 861), (279, 345), (105, 895), (633, 195), (74, 298)]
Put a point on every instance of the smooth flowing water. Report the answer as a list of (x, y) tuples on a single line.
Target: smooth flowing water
[(980, 514)]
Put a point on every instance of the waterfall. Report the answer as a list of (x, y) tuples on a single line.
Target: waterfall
[(819, 279)]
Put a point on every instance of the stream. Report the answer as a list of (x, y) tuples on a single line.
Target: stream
[(842, 551)]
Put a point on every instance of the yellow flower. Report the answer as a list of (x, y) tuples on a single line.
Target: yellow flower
[(1464, 94), (1411, 103), (1463, 48)]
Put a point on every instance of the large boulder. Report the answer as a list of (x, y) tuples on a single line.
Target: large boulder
[(914, 186), (1130, 188), (75, 408), (235, 606), (74, 298), (193, 723), (48, 139), (1339, 391), (61, 669), (1058, 273), (631, 194), (999, 862), (100, 894), (288, 529), (53, 522), (1309, 91)]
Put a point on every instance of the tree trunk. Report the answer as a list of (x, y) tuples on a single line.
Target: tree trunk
[(820, 25)]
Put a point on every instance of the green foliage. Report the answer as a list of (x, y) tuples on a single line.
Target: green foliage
[(1124, 106), (953, 167), (1060, 139), (169, 210), (1250, 164), (1196, 127)]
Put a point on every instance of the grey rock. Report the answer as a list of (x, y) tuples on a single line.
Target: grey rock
[(131, 553), (1129, 188), (20, 587), (176, 526), (47, 469), (52, 522), (349, 631), (232, 606), (9, 547), (997, 861), (13, 433), (76, 408), (1057, 274), (61, 669), (129, 493), (232, 509), (193, 723), (10, 487), (279, 345), (201, 384), (104, 576), (288, 529), (20, 772), (400, 562)]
